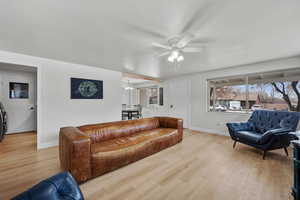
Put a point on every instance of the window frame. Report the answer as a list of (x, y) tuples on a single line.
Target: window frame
[(286, 76)]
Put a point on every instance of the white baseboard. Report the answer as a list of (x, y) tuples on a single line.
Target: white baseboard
[(47, 145), (18, 132), (217, 132)]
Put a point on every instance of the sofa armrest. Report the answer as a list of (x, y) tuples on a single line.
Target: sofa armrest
[(279, 131), (171, 122), (75, 153), (274, 132)]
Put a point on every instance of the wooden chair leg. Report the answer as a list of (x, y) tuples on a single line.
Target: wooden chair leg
[(286, 151), (264, 154), (234, 144)]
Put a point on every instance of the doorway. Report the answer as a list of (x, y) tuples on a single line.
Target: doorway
[(139, 96), (18, 95)]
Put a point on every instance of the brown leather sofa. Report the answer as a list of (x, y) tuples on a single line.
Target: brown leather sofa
[(92, 150)]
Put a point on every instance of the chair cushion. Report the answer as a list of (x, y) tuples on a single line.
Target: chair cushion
[(125, 142), (249, 136)]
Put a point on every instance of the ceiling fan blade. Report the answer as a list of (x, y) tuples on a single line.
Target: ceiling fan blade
[(146, 31), (161, 46), (192, 50), (202, 40), (202, 14), (185, 40), (164, 54), (201, 17), (219, 44)]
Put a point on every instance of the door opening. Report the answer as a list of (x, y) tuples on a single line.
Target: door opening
[(18, 98)]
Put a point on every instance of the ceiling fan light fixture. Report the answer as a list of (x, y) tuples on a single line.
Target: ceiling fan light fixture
[(180, 58), (129, 88), (175, 56), (171, 58)]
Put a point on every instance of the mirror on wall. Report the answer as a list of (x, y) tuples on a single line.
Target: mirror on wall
[(153, 95)]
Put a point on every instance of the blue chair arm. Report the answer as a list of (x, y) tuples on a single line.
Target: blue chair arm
[(61, 186), (274, 132), (242, 126)]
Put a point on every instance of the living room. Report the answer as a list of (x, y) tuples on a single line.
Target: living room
[(214, 116)]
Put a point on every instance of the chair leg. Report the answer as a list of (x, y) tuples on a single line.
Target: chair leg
[(264, 154), (286, 151), (234, 144)]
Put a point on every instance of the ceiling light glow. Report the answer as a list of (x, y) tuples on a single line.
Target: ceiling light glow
[(171, 58), (180, 58), (175, 56), (129, 88)]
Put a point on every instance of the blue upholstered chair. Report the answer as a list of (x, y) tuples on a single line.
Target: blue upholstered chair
[(266, 130), (59, 187)]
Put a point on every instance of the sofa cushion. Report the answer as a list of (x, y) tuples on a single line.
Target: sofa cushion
[(107, 131), (249, 136), (127, 141), (110, 155)]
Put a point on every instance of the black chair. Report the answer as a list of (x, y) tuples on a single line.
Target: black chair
[(59, 187), (3, 122), (266, 130), (124, 115), (138, 113)]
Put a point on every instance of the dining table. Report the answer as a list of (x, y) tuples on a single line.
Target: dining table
[(130, 112)]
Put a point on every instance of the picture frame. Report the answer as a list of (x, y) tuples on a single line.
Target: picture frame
[(86, 88)]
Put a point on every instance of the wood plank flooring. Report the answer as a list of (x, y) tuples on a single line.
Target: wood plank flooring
[(203, 166)]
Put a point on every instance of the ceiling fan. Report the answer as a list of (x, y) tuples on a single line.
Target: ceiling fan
[(176, 48), (188, 38)]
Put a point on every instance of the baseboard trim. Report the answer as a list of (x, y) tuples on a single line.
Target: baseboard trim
[(12, 133), (217, 132), (47, 145)]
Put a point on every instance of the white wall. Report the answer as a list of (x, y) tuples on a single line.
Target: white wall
[(125, 96), (55, 108), (177, 94), (20, 117), (130, 97)]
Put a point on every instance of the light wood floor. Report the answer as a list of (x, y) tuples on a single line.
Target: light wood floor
[(203, 166)]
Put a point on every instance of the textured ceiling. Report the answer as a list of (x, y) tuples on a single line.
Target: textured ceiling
[(109, 34)]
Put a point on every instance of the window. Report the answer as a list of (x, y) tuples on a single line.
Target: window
[(18, 90), (271, 91)]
